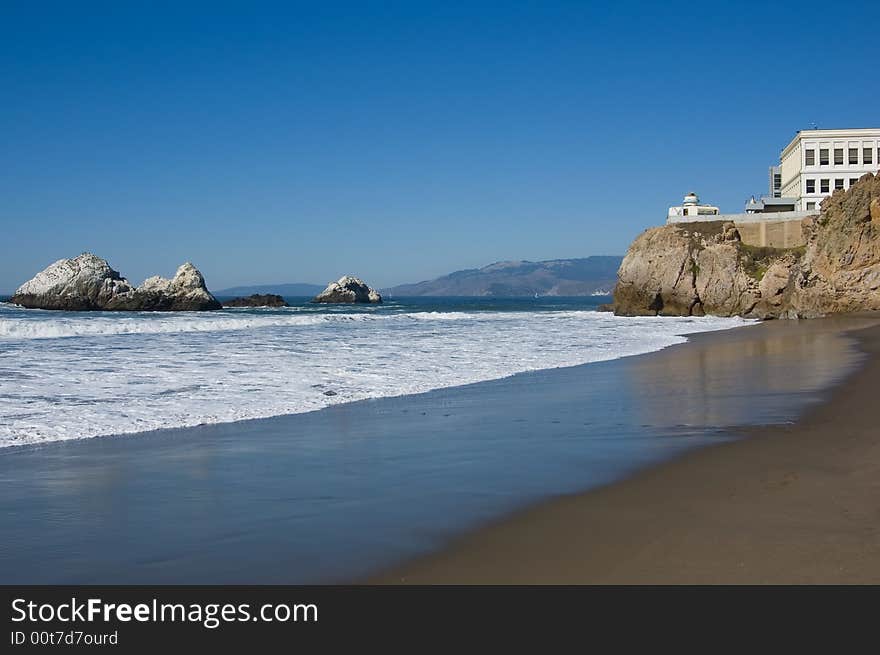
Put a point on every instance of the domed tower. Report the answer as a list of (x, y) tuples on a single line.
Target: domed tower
[(691, 210)]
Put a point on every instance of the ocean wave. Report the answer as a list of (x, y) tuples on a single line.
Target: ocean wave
[(132, 373), (62, 327)]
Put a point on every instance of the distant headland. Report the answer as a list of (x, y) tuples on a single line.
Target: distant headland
[(556, 277)]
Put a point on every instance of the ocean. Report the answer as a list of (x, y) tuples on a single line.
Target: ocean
[(434, 417), (75, 375)]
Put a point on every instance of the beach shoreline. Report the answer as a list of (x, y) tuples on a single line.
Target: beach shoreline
[(345, 492), (233, 365), (782, 504)]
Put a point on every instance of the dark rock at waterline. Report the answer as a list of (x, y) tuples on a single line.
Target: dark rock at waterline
[(88, 283), (257, 300)]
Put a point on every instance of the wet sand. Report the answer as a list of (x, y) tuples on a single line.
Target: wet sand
[(796, 503)]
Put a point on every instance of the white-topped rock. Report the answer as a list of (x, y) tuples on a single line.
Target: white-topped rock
[(87, 283), (83, 283), (348, 289)]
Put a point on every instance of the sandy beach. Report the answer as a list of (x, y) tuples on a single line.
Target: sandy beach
[(795, 503)]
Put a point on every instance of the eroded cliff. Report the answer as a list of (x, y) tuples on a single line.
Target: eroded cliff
[(705, 268)]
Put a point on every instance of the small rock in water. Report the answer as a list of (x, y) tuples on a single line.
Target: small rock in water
[(348, 289), (257, 300), (330, 393)]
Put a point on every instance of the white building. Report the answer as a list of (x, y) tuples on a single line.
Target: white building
[(817, 162), (690, 206)]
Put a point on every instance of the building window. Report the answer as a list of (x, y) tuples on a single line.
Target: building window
[(853, 155), (823, 156), (810, 157), (823, 186), (867, 155), (838, 183), (853, 180), (811, 206), (811, 186), (838, 156)]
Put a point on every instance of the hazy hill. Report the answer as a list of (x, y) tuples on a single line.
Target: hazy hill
[(291, 290), (556, 277)]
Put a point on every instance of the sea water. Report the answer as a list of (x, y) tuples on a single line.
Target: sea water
[(335, 494), (74, 375)]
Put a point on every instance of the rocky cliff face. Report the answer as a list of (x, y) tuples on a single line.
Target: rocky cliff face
[(704, 268), (840, 271), (348, 289), (87, 283)]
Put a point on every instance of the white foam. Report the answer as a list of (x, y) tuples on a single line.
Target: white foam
[(130, 373), (109, 324)]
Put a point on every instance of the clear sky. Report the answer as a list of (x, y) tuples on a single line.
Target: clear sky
[(398, 140)]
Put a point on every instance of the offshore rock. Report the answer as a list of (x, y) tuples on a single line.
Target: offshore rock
[(186, 291), (348, 289), (80, 284), (88, 283), (257, 300)]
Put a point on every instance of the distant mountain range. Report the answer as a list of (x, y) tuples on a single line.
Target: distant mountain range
[(287, 290), (555, 277)]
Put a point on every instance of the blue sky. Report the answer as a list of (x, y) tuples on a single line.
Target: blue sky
[(398, 141)]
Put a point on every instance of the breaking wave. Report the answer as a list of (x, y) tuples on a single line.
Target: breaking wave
[(77, 375)]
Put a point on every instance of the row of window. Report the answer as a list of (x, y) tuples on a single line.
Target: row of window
[(825, 184), (852, 156)]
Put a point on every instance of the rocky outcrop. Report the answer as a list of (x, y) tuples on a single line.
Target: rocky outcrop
[(683, 270), (840, 270), (257, 300), (348, 289), (704, 268), (186, 291), (88, 283), (80, 284)]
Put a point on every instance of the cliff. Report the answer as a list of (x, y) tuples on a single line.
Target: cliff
[(705, 268)]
